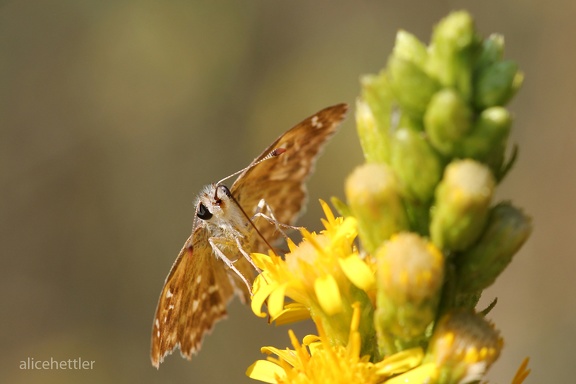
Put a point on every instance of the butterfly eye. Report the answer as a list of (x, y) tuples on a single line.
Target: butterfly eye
[(203, 212), (224, 191)]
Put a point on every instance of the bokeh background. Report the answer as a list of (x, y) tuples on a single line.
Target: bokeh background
[(113, 114)]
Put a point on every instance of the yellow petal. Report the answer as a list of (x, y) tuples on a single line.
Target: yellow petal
[(276, 300), (291, 245), (260, 297), (261, 260), (358, 272), (522, 373), (348, 228), (266, 371), (315, 347), (417, 375), (292, 313), (354, 338), (288, 355), (311, 339), (327, 211), (400, 362), (354, 345), (328, 294)]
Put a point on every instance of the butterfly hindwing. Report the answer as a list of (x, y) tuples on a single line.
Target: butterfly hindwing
[(193, 299)]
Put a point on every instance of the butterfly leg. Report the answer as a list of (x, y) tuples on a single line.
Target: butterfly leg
[(229, 263), (271, 218), (246, 255)]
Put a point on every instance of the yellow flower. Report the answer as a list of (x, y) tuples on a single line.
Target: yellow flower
[(323, 276), (317, 360)]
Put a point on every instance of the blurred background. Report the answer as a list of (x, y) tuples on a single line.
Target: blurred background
[(113, 115)]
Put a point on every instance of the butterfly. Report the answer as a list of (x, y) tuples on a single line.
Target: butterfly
[(214, 264)]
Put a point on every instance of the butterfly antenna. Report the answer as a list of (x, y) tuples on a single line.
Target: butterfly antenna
[(273, 153)]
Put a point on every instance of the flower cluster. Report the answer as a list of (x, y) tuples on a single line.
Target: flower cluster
[(393, 284)]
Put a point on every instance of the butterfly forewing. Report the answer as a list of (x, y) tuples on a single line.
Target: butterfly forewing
[(199, 285), (281, 182)]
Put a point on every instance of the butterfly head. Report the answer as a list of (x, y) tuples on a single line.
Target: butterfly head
[(218, 210), (213, 202)]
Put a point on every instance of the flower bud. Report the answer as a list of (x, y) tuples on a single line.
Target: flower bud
[(487, 141), (497, 83), (416, 164), (492, 51), (407, 46), (411, 85), (374, 139), (462, 204), (447, 120), (452, 49), (506, 231), (372, 191), (463, 347), (376, 92), (410, 273)]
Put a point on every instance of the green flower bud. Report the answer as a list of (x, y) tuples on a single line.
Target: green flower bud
[(411, 85), (462, 205), (407, 46), (492, 51), (373, 195), (487, 141), (448, 119), (464, 345), (496, 84), (410, 273), (506, 231), (454, 33), (374, 140), (452, 49), (416, 164)]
